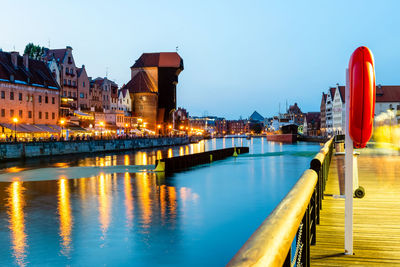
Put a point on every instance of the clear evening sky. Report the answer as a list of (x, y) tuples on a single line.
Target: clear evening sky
[(239, 56)]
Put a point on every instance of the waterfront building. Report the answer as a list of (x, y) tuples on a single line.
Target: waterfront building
[(28, 92), (68, 78), (329, 111), (95, 96), (339, 111), (144, 98), (181, 119), (256, 117), (221, 126), (83, 94), (109, 93), (312, 123), (323, 114), (387, 98), (238, 126), (295, 114), (124, 101), (160, 71)]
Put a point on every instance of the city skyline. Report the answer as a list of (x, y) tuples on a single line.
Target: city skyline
[(236, 59)]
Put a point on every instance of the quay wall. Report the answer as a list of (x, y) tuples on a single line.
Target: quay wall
[(10, 151)]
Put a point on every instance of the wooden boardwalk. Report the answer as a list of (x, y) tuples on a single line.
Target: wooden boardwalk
[(376, 216)]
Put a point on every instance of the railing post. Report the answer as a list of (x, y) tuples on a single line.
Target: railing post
[(305, 239), (313, 220)]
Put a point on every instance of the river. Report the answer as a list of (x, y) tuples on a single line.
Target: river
[(122, 215)]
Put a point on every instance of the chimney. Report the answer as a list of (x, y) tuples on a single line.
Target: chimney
[(14, 59), (26, 61)]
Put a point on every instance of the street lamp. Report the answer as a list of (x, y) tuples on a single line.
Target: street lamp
[(126, 128), (15, 120), (62, 122), (101, 129)]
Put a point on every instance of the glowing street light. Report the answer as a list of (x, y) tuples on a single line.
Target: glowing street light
[(101, 123), (15, 120), (62, 122)]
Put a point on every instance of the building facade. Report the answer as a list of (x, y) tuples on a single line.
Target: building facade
[(323, 114), (28, 91), (68, 78)]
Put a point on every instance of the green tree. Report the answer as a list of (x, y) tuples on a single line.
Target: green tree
[(34, 51)]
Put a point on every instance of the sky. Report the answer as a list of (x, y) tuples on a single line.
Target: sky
[(239, 56)]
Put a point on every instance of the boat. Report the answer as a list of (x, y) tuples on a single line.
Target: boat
[(287, 134)]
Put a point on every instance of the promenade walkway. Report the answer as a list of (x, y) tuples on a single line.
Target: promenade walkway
[(376, 216)]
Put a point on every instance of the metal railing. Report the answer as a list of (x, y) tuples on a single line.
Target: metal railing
[(296, 216)]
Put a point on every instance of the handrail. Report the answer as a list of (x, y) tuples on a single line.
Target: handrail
[(298, 212), (270, 243)]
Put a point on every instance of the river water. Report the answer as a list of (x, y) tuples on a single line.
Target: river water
[(122, 215)]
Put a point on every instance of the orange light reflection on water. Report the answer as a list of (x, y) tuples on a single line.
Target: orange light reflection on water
[(15, 205), (128, 199), (66, 221), (105, 200)]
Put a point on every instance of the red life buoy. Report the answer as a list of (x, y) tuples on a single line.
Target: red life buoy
[(362, 96)]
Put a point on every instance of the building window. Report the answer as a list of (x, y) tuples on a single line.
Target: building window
[(47, 115), (46, 99), (65, 93), (82, 95), (53, 100), (11, 113), (53, 115), (40, 99), (11, 95), (3, 112), (31, 98), (65, 82), (20, 114), (40, 115), (74, 94), (72, 71), (30, 114), (69, 94), (83, 84), (27, 98), (3, 95), (69, 82), (74, 83), (67, 70), (20, 96)]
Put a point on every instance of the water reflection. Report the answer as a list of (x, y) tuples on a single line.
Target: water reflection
[(105, 200), (16, 203), (111, 219), (66, 221), (128, 200), (144, 189)]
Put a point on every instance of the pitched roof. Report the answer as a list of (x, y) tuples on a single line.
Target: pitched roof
[(58, 54), (332, 91), (256, 116), (390, 93), (312, 117), (123, 91), (163, 59), (342, 90), (37, 74), (141, 83)]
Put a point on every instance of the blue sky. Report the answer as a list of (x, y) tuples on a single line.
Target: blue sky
[(239, 56)]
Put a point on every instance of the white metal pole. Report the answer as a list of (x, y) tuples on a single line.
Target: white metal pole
[(348, 212)]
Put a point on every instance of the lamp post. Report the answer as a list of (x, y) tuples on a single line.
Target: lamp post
[(101, 129), (126, 128), (62, 122), (15, 120)]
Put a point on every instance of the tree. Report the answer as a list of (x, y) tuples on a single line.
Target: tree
[(34, 51)]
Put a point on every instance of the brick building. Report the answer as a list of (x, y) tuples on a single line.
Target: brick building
[(28, 91), (68, 78)]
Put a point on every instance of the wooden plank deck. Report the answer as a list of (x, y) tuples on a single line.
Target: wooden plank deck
[(376, 216)]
